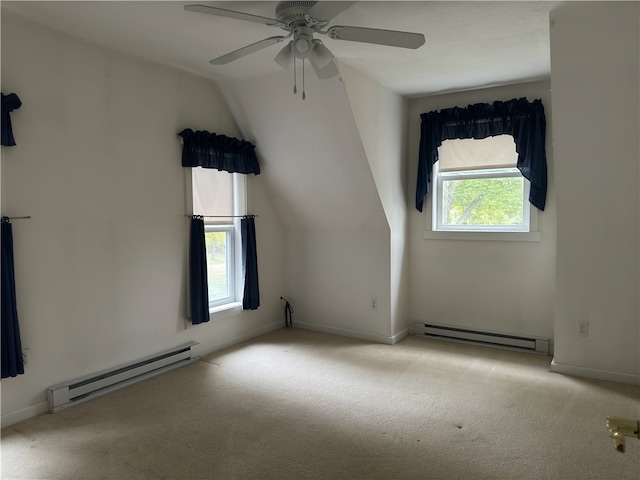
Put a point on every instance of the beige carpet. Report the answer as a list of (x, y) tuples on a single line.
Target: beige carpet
[(301, 405)]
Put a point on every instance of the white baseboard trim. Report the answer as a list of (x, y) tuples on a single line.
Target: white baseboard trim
[(25, 413), (230, 342), (343, 332), (594, 373), (11, 418), (399, 336)]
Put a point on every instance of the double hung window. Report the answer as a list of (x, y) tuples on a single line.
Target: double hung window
[(477, 187), (219, 197), (220, 245)]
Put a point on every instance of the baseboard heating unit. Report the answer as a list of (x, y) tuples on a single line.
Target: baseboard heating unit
[(502, 340), (82, 389)]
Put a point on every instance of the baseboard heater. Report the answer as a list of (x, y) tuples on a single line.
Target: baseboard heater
[(503, 340), (82, 389)]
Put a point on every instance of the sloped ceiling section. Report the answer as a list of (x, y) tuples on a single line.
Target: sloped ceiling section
[(468, 44), (311, 155), (311, 149)]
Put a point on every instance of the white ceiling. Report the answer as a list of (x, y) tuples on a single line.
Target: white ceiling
[(468, 44)]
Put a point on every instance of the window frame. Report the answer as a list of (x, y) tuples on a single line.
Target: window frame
[(232, 305), (230, 258), (488, 173), (434, 231)]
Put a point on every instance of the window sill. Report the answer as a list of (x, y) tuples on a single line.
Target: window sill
[(226, 306), (491, 236), (226, 310)]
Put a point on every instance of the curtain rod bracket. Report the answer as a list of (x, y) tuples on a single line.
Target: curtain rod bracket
[(6, 219)]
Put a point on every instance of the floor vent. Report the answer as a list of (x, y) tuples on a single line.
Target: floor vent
[(82, 389), (502, 340)]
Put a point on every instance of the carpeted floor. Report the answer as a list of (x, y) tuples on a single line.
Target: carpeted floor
[(300, 405)]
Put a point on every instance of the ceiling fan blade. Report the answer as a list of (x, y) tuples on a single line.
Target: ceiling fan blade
[(327, 10), (241, 52), (391, 38), (331, 70), (222, 12)]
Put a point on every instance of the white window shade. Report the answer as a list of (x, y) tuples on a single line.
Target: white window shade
[(212, 194), (473, 154)]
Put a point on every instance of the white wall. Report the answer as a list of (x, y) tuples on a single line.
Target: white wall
[(332, 275), (381, 117), (488, 285), (312, 156), (101, 266), (594, 75), (337, 242)]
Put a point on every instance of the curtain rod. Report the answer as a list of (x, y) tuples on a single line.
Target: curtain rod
[(28, 217), (221, 216)]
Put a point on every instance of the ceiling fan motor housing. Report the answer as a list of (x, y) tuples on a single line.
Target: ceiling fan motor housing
[(292, 13), (302, 43)]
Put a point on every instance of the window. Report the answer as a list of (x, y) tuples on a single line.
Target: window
[(219, 241), (219, 197), (477, 187)]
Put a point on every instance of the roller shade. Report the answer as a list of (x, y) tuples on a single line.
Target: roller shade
[(472, 154), (212, 188)]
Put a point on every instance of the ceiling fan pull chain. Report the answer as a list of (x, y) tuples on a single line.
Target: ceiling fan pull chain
[(303, 94), (295, 87)]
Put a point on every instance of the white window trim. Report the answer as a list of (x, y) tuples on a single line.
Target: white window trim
[(493, 236), (224, 308), (230, 268), (433, 232), (239, 209)]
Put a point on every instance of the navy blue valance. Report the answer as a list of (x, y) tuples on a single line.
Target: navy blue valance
[(10, 103), (523, 120), (208, 150)]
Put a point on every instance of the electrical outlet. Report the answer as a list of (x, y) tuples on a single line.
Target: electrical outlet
[(583, 329), (25, 356), (374, 304)]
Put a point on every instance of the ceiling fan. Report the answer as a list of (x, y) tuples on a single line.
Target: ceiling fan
[(303, 19)]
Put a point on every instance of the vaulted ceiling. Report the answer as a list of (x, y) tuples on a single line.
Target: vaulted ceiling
[(468, 44), (314, 161)]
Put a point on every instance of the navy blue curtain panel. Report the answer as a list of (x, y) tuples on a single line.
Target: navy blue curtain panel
[(12, 363), (523, 120), (10, 103), (209, 150), (251, 298), (198, 285)]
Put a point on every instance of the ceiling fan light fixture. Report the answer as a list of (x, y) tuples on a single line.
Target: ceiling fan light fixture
[(301, 47), (285, 57), (329, 71), (321, 56), (302, 44)]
